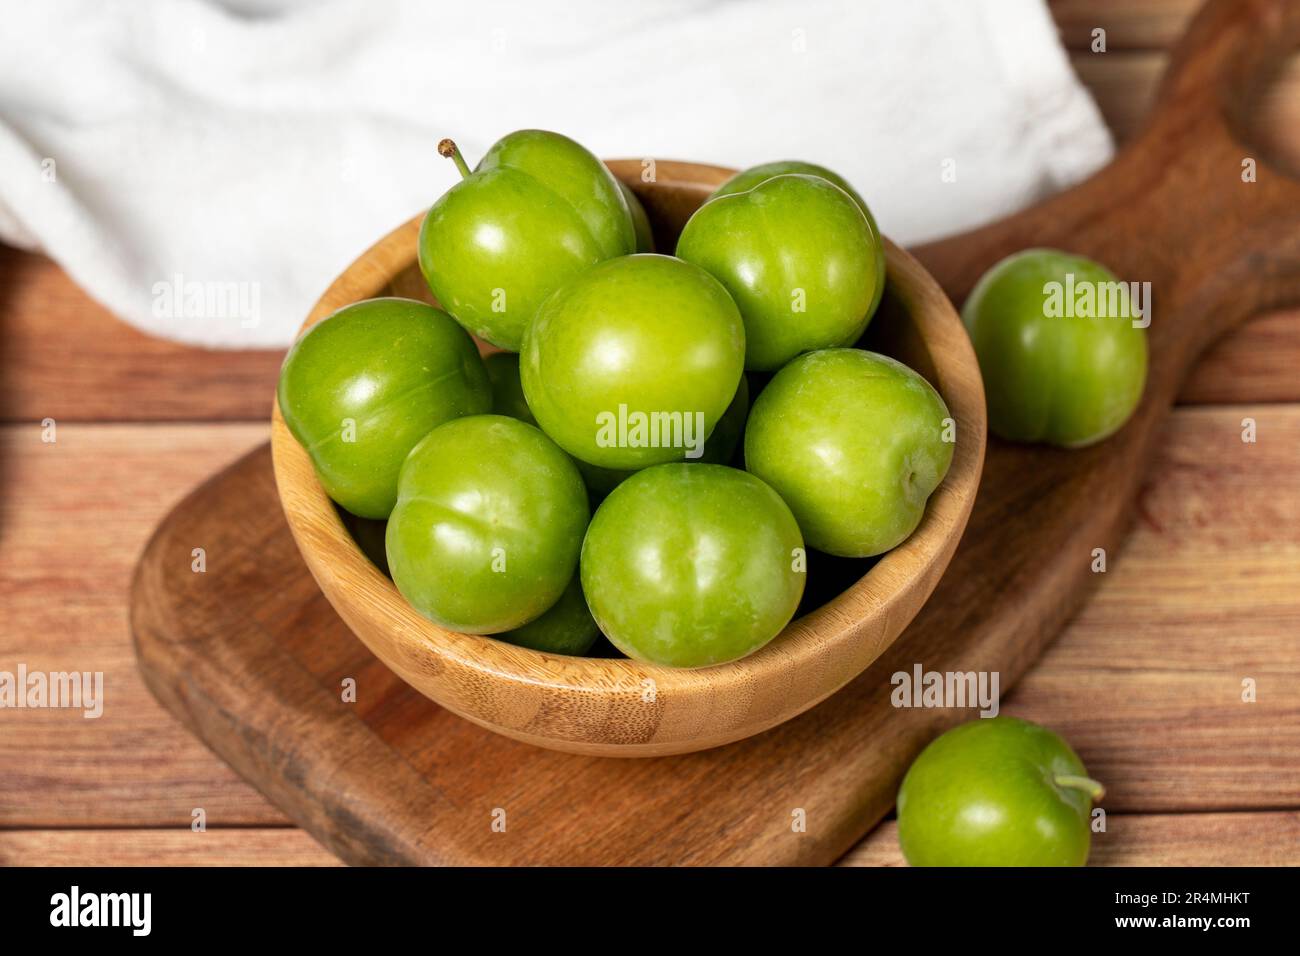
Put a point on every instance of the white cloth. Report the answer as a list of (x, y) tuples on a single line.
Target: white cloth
[(205, 169)]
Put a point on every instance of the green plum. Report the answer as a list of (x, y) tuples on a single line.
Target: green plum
[(996, 792), (800, 259), (361, 387), (854, 442), (633, 362), (488, 524), (507, 390), (690, 565), (645, 237), (537, 210), (749, 178), (1056, 369), (567, 628)]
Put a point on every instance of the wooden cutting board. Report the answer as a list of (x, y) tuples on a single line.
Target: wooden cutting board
[(253, 659)]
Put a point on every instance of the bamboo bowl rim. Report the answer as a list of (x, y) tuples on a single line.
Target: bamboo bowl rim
[(829, 637)]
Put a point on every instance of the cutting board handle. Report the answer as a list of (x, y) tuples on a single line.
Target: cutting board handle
[(1226, 219), (1184, 206), (1231, 50)]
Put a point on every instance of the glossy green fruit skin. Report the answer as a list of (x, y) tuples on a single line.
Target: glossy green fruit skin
[(1064, 380), (983, 794), (477, 492), (567, 628), (853, 441), (719, 449), (645, 237), (689, 565), (749, 178), (537, 210), (395, 368), (650, 333), (800, 259), (507, 391), (508, 399)]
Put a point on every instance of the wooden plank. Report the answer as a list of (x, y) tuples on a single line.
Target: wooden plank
[(66, 357), (1147, 683), (74, 515), (1129, 24), (1213, 571), (244, 846), (1124, 85), (1184, 839), (1258, 364), (97, 368)]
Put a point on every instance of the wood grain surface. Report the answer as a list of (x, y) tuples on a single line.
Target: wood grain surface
[(74, 516), (1202, 513), (66, 357), (137, 768), (1129, 24), (442, 779), (1195, 839), (242, 846)]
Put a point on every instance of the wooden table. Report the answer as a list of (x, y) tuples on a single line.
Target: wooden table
[(1205, 594)]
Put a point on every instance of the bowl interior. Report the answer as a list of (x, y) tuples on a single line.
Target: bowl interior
[(851, 611)]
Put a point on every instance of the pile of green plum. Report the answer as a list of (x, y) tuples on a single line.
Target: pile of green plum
[(613, 470)]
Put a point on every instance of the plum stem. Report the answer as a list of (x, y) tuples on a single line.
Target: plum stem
[(447, 148), (1089, 786)]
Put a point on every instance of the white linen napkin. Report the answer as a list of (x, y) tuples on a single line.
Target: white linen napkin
[(206, 169)]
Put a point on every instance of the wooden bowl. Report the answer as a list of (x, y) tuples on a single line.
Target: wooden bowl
[(616, 707)]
